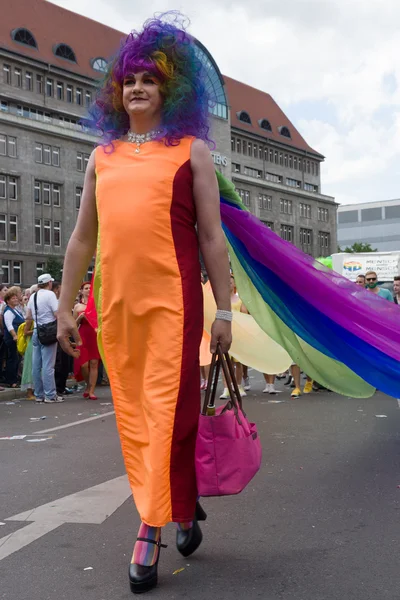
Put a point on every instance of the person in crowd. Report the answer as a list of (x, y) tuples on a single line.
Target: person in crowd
[(44, 356), (371, 280), (270, 385), (144, 195), (360, 280), (396, 289), (3, 351), (236, 304), (87, 364), (296, 374), (13, 318), (27, 384), (64, 362)]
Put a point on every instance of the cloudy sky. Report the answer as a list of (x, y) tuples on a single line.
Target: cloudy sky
[(332, 65)]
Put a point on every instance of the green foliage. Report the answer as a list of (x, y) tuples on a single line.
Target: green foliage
[(54, 266), (358, 247)]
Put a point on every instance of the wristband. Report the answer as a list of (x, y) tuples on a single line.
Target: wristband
[(224, 315)]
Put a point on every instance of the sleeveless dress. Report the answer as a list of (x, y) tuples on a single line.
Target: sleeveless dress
[(150, 315), (89, 349)]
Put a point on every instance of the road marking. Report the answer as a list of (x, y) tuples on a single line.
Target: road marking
[(107, 414), (93, 505)]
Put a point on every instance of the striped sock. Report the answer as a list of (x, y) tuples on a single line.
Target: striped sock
[(185, 526), (146, 554)]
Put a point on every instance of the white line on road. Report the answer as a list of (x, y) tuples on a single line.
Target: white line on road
[(107, 414)]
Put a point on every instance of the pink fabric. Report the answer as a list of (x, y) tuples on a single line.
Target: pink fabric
[(228, 454)]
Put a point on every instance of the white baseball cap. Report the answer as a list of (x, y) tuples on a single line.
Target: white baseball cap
[(45, 278)]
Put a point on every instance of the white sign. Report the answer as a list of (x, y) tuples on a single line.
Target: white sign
[(385, 264), (219, 159)]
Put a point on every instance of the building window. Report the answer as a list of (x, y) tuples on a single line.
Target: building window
[(310, 187), (294, 162), (305, 210), (37, 192), (57, 234), (284, 131), (47, 232), (70, 94), (274, 178), (18, 78), (78, 197), (24, 36), (269, 224), (250, 172), (323, 214), (306, 240), (40, 268), (99, 64), (28, 81), (264, 202), (235, 168), (245, 196), (7, 74), (3, 186), (324, 243), (265, 124), (238, 146), (55, 156), (255, 150), (316, 168), (4, 106), (5, 265), (49, 87), (65, 51), (262, 153), (290, 161), (308, 167), (46, 154), (281, 159), (82, 161), (13, 228), (244, 117), (285, 160), (3, 228), (39, 84), (38, 232), (55, 188), (286, 207), (46, 193), (244, 147), (60, 90), (12, 188), (79, 96), (233, 146), (39, 153), (286, 233), (8, 145), (88, 99), (17, 268), (293, 182)]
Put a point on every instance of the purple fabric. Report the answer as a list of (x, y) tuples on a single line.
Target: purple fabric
[(366, 315)]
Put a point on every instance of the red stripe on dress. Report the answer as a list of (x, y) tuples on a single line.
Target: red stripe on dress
[(182, 467)]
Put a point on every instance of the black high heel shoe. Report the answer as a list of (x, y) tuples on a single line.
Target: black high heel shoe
[(143, 579), (188, 541)]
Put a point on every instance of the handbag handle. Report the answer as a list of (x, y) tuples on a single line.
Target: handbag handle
[(219, 358)]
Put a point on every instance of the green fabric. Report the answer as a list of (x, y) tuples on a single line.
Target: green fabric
[(328, 372), (27, 376)]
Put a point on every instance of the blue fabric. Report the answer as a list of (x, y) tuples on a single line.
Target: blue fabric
[(375, 367), (17, 321), (43, 361)]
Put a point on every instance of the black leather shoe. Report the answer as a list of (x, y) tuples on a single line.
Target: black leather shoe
[(188, 541), (143, 579), (201, 514)]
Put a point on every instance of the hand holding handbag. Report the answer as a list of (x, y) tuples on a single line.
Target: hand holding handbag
[(228, 448), (47, 333)]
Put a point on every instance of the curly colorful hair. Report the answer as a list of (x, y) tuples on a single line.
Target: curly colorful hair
[(166, 50)]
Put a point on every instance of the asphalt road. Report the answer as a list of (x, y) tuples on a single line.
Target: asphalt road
[(319, 522)]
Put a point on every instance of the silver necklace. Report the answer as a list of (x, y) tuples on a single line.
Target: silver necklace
[(142, 138)]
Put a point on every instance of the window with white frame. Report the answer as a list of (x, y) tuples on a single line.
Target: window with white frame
[(17, 77), (39, 84), (40, 268), (13, 228), (17, 272), (324, 243), (70, 94), (88, 99), (286, 207), (273, 177), (12, 188), (60, 90), (306, 240), (57, 234), (48, 155), (7, 74), (49, 87), (286, 233), (82, 160), (79, 96), (55, 156), (323, 214), (5, 265), (264, 202), (269, 224), (47, 232), (46, 193), (56, 194), (250, 172), (28, 81), (293, 182), (8, 145), (235, 168), (78, 197), (245, 196), (305, 210), (3, 228), (38, 231), (310, 187), (38, 153)]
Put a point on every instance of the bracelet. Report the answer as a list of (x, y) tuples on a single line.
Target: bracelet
[(224, 315)]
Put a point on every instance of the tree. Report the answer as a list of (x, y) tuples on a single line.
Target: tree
[(54, 266), (359, 247)]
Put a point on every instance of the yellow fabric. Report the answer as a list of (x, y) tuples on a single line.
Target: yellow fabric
[(22, 341), (250, 345)]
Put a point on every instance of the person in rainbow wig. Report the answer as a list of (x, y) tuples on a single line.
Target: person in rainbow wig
[(148, 185)]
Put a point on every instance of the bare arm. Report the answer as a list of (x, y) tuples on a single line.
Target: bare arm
[(80, 251), (211, 237), (28, 322)]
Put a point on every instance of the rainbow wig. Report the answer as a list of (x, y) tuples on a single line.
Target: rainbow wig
[(166, 50)]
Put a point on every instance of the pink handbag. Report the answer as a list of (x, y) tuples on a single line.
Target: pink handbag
[(228, 448)]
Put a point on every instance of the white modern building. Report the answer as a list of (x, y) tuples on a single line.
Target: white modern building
[(375, 223)]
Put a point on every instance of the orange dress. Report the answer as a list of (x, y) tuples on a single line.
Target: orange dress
[(147, 243)]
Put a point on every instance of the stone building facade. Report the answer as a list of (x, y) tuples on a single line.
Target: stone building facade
[(50, 62)]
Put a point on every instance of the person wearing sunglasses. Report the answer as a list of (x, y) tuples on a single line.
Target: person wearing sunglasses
[(371, 280)]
